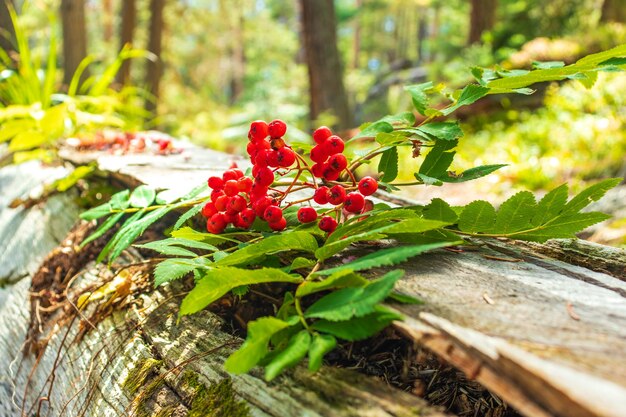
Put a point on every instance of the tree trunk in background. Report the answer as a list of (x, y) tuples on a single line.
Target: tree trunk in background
[(7, 32), (482, 18), (356, 42), (74, 37), (129, 20), (322, 56), (422, 35), (613, 11), (238, 55), (107, 19), (155, 68)]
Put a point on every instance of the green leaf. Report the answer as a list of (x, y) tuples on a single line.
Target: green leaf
[(191, 234), (354, 302), (107, 248), (565, 226), (374, 129), (10, 128), (386, 257), (373, 221), (256, 345), (404, 298), (438, 160), (300, 241), (217, 282), (332, 248), (142, 196), (96, 212), (550, 205), (515, 213), (103, 228), (428, 180), (590, 194), (592, 60), (478, 216), (295, 351), (389, 165), (188, 215), (173, 269), (442, 130), (120, 201), (472, 173), (341, 279), (358, 328), (470, 94), (405, 119), (300, 263), (27, 140), (419, 96), (548, 64), (438, 209), (172, 247), (320, 346), (391, 139)]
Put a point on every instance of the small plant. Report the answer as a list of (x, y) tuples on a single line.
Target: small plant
[(287, 218)]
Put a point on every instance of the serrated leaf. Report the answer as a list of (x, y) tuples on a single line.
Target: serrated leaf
[(295, 351), (142, 196), (438, 209), (590, 194), (565, 226), (373, 221), (120, 201), (353, 302), (300, 263), (472, 173), (320, 346), (550, 205), (442, 130), (375, 128), (389, 165), (391, 139), (419, 96), (438, 159), (386, 257), (256, 345), (478, 216), (342, 279), (404, 298), (358, 328), (426, 180), (332, 248), (96, 212), (173, 269), (404, 119), (107, 248), (515, 213), (172, 247), (470, 94), (548, 64), (417, 225), (218, 281), (103, 228), (188, 215), (294, 241)]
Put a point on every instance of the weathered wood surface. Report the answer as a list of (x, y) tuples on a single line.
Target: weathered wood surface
[(137, 361), (547, 336)]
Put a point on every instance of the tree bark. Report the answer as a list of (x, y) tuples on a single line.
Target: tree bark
[(127, 27), (482, 19), (613, 11), (327, 91), (107, 20), (238, 55), (155, 39), (356, 41), (7, 31), (74, 37)]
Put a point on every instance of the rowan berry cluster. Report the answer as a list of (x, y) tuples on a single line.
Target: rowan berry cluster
[(239, 200)]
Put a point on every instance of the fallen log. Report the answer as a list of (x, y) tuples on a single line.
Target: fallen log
[(546, 336)]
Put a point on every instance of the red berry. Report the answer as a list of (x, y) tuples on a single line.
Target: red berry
[(272, 214), (221, 203), (216, 183), (231, 174), (261, 158), (252, 149), (255, 170), (277, 143), (328, 224), (216, 224), (248, 216), (278, 225), (240, 223), (265, 177), (318, 154), (258, 191), (263, 144), (244, 184), (215, 194), (272, 158), (336, 195), (318, 169), (230, 217), (237, 204), (230, 188), (333, 145), (209, 209), (258, 130), (354, 203), (330, 174), (368, 186), (277, 128), (261, 205), (307, 214), (321, 195), (338, 162), (237, 172), (286, 157), (321, 134)]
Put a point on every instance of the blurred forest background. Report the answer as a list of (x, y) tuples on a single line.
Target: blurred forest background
[(202, 69)]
